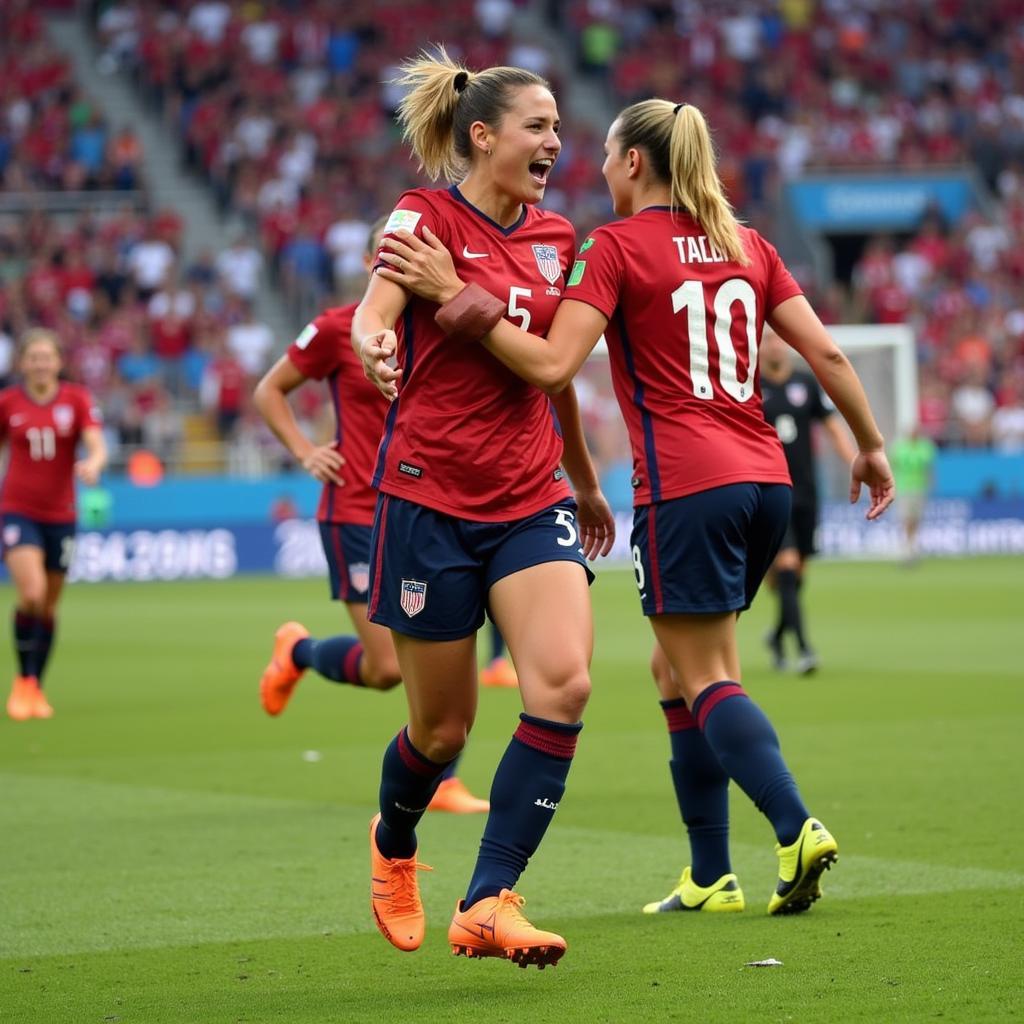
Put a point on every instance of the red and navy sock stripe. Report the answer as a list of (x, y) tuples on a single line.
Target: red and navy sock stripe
[(556, 739)]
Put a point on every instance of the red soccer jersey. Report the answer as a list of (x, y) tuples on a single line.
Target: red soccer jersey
[(42, 440), (684, 325), (466, 436), (323, 351)]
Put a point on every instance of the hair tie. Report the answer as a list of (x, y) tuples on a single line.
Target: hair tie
[(677, 108), (460, 81)]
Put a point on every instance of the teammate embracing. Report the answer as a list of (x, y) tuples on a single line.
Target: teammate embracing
[(681, 291), (42, 421)]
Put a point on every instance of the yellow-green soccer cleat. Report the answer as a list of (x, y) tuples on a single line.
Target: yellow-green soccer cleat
[(801, 864), (723, 896)]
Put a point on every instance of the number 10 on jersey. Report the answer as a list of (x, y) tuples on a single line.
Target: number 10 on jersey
[(689, 297)]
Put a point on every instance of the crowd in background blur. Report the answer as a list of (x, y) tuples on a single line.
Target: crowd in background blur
[(286, 111)]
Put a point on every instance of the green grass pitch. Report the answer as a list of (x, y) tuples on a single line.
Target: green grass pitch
[(170, 854)]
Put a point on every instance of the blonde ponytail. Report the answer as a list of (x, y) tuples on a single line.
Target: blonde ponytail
[(444, 100), (678, 144), (696, 185), (427, 111)]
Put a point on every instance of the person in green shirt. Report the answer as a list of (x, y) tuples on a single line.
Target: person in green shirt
[(913, 461)]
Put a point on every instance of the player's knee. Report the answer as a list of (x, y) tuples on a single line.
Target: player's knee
[(572, 693), (445, 741), (32, 599), (380, 675)]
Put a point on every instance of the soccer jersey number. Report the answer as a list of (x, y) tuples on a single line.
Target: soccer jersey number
[(42, 443), (515, 310), (689, 296)]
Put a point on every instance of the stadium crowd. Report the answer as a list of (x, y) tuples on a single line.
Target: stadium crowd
[(287, 113)]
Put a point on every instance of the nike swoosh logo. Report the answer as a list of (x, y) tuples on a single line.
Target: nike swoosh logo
[(474, 255)]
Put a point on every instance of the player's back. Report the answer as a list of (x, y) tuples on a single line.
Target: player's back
[(683, 333)]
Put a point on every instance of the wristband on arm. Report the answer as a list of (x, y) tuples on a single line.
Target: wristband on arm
[(471, 315)]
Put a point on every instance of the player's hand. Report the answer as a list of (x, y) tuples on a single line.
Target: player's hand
[(323, 463), (423, 266), (595, 522), (88, 472), (376, 353), (872, 470)]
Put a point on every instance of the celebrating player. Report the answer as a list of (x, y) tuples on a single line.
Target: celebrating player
[(681, 292), (42, 422), (323, 351), (793, 401), (474, 509)]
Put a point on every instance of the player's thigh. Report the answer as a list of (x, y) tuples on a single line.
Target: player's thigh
[(380, 664), (701, 649), (24, 555), (544, 614), (441, 690)]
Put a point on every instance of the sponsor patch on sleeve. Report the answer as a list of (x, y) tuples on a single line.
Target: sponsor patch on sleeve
[(578, 269), (402, 220), (308, 333)]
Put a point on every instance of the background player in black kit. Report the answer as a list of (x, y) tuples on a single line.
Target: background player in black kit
[(793, 402)]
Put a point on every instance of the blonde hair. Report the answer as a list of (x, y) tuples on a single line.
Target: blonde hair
[(678, 143), (444, 100), (36, 334)]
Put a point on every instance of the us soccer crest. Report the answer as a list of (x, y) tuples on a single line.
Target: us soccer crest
[(63, 418), (414, 597), (359, 575), (547, 262)]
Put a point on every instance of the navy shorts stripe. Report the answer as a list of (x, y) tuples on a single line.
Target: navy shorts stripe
[(377, 549)]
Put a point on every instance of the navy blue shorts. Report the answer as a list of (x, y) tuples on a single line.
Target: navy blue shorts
[(56, 539), (430, 573), (347, 548), (707, 553)]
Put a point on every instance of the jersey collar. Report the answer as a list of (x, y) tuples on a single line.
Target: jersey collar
[(459, 197)]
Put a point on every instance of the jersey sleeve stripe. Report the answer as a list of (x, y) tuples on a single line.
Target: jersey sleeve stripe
[(650, 451)]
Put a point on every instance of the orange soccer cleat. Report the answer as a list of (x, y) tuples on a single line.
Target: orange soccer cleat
[(395, 896), (21, 704), (496, 926), (40, 705), (499, 673), (280, 676), (453, 797)]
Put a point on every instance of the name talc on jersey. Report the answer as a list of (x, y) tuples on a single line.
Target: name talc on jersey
[(697, 249)]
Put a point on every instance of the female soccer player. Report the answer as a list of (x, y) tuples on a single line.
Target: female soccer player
[(682, 292), (323, 351), (42, 420), (474, 509)]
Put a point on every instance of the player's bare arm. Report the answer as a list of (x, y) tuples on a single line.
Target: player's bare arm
[(88, 470), (322, 462), (594, 515), (796, 323), (373, 335)]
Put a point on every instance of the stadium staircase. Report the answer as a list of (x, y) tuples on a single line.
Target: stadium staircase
[(168, 184)]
